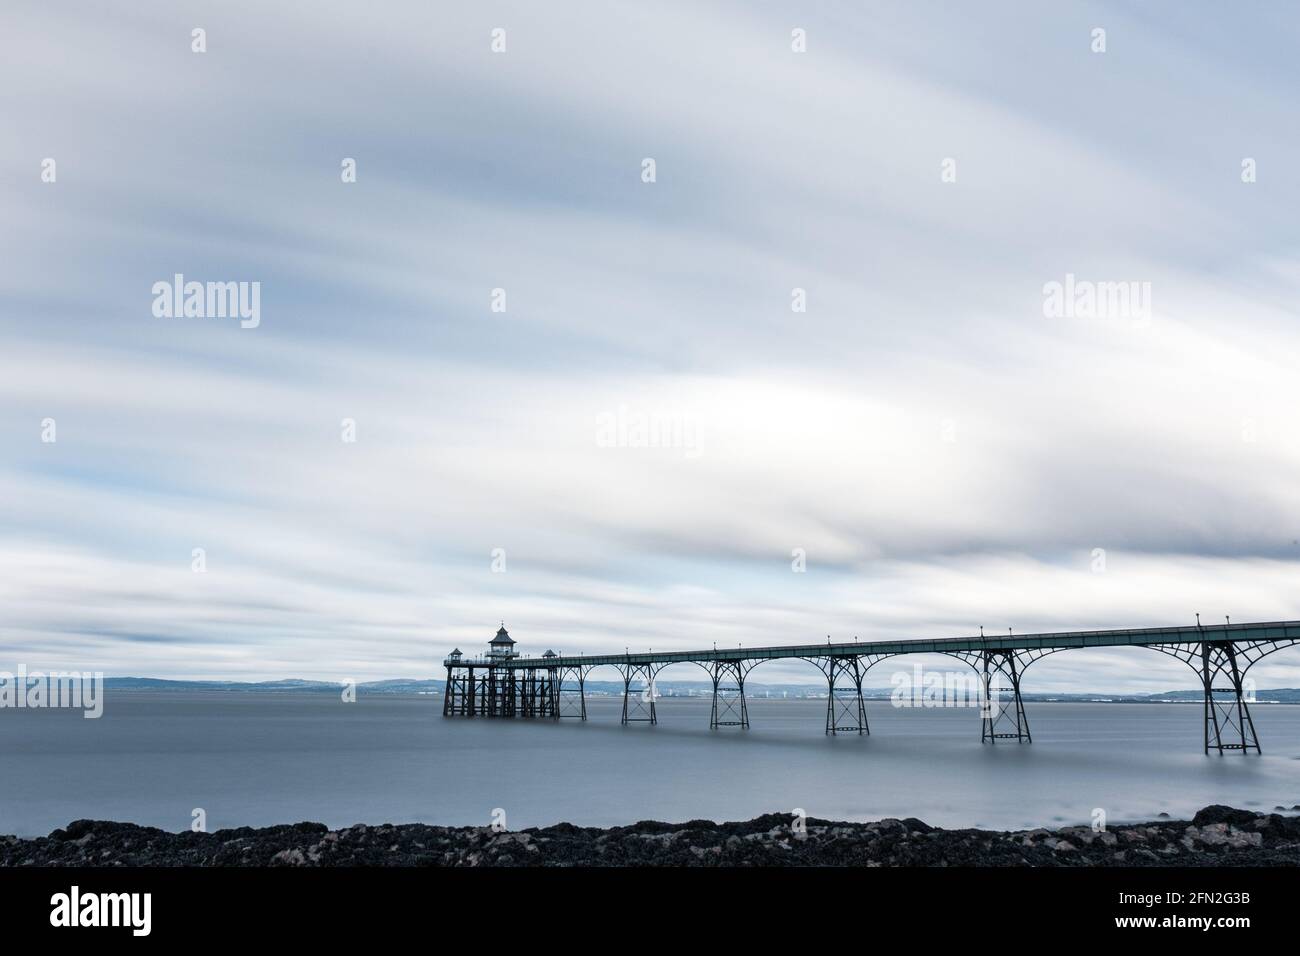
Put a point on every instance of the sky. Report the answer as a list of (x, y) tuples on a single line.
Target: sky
[(805, 380)]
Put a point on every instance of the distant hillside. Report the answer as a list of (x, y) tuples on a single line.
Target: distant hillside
[(397, 686), (1286, 695), (1282, 695)]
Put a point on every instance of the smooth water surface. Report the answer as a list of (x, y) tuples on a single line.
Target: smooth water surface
[(260, 758)]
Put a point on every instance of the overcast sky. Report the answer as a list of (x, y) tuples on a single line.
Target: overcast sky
[(945, 453)]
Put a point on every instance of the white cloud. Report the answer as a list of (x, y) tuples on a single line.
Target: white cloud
[(1171, 443)]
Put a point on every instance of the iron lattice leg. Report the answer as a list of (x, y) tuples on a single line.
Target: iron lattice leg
[(729, 706), (846, 713), (502, 692), (1004, 716), (1228, 724), (564, 702), (534, 696), (639, 705), (546, 702), (448, 695)]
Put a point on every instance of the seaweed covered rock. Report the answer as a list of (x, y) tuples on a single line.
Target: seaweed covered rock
[(1217, 835)]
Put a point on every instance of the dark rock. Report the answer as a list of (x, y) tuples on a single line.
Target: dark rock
[(1221, 814), (1220, 836)]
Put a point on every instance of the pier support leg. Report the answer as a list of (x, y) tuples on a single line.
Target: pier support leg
[(845, 711), (1002, 709), (639, 703), (458, 694), (1221, 664), (729, 706), (532, 694), (567, 704), (546, 699), (502, 691), (1228, 724)]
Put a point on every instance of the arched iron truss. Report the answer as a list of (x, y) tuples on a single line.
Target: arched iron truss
[(1221, 665), (999, 669), (566, 704), (846, 712), (730, 708), (639, 704)]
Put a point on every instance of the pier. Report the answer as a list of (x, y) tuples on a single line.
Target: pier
[(504, 684)]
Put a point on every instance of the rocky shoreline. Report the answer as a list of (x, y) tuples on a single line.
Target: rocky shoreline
[(1216, 836)]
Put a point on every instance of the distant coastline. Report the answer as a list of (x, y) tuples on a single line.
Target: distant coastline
[(667, 689)]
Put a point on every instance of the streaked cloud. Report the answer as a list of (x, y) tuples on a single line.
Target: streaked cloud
[(946, 454)]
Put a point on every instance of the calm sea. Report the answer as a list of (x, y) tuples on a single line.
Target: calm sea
[(258, 758)]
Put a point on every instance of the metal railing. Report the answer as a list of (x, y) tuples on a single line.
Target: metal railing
[(1122, 637)]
